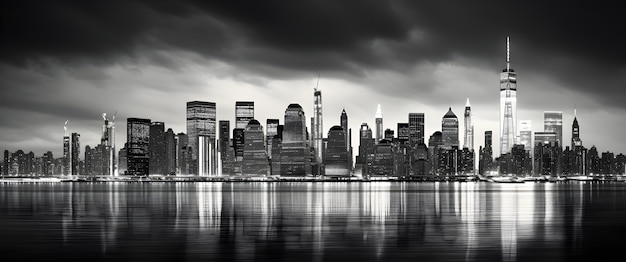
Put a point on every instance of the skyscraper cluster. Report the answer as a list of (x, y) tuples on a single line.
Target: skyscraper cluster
[(291, 149)]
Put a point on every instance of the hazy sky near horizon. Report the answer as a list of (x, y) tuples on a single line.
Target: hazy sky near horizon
[(74, 60)]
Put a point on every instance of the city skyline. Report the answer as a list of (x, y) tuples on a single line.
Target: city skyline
[(396, 65)]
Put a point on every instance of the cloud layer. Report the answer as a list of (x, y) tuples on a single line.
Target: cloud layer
[(75, 59)]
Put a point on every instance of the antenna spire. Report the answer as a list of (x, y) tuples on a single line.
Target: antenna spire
[(318, 81), (508, 57)]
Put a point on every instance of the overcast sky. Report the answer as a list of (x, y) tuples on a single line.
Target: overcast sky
[(65, 60)]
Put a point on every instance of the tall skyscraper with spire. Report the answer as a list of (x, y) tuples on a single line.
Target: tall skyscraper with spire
[(575, 132), (318, 126), (66, 151), (469, 127), (379, 124), (348, 136), (508, 105), (107, 142)]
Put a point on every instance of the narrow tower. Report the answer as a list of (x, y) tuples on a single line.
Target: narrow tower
[(379, 124), (317, 120), (575, 132), (508, 105), (469, 127)]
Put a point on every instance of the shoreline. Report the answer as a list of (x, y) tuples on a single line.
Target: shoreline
[(193, 179)]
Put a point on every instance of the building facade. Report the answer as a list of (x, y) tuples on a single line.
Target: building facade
[(137, 146), (201, 135), (508, 105)]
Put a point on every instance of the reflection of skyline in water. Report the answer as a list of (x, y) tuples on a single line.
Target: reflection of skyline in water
[(310, 221)]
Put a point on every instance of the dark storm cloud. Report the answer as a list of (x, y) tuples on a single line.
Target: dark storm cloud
[(576, 46)]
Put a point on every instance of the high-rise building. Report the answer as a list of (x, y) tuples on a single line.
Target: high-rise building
[(450, 130), (379, 124), (404, 132), (201, 134), (336, 155), (255, 161), (5, 163), (576, 133), (486, 154), (67, 151), (317, 128), (525, 134), (294, 152), (107, 161), (137, 146), (389, 134), (546, 154), (416, 129), (224, 139), (508, 105), (468, 142), (156, 148), (122, 160), (382, 162), (553, 122), (170, 152), (366, 148), (65, 160), (48, 160), (435, 144), (75, 154), (238, 146), (244, 112), (183, 154), (348, 135), (271, 130)]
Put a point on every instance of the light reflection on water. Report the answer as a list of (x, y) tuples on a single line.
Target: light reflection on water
[(388, 221)]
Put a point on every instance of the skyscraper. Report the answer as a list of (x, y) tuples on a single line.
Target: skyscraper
[(404, 132), (224, 138), (137, 146), (508, 105), (66, 162), (450, 130), (107, 147), (575, 132), (486, 154), (255, 160), (5, 163), (348, 135), (317, 127), (379, 124), (170, 151), (271, 130), (525, 134), (468, 142), (183, 154), (75, 154), (201, 132), (294, 151), (336, 156), (366, 148), (156, 147), (416, 129), (244, 112), (553, 122), (435, 143)]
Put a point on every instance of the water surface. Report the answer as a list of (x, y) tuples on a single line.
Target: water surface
[(300, 221)]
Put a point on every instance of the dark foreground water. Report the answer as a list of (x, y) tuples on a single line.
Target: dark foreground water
[(377, 221)]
